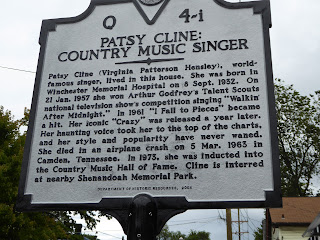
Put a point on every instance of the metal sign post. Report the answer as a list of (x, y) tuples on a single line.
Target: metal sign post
[(148, 108)]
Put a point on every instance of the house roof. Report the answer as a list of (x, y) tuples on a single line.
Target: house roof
[(296, 211)]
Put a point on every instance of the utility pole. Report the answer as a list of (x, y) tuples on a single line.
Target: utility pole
[(239, 233), (239, 225), (229, 224)]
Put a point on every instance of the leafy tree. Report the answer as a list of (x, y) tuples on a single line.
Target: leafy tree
[(35, 226), (258, 234), (193, 235), (165, 234), (299, 142)]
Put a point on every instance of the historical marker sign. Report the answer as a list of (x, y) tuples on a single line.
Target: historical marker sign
[(168, 98)]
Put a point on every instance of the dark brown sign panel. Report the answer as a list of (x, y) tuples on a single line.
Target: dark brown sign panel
[(173, 99)]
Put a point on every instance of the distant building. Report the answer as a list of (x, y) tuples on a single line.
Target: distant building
[(292, 220)]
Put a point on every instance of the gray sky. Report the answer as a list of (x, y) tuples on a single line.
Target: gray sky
[(295, 45)]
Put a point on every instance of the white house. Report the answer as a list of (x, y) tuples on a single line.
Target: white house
[(291, 221)]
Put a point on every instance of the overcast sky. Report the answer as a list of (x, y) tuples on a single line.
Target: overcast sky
[(295, 44)]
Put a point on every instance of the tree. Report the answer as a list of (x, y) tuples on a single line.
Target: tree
[(299, 142), (258, 233), (35, 226), (194, 235), (165, 234)]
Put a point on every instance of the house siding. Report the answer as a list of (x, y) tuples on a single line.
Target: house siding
[(288, 233)]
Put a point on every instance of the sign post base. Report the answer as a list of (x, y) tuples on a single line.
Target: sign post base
[(144, 219)]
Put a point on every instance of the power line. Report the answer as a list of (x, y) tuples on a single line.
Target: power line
[(108, 234), (196, 219), (222, 217), (186, 223), (250, 225), (17, 69), (240, 232)]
